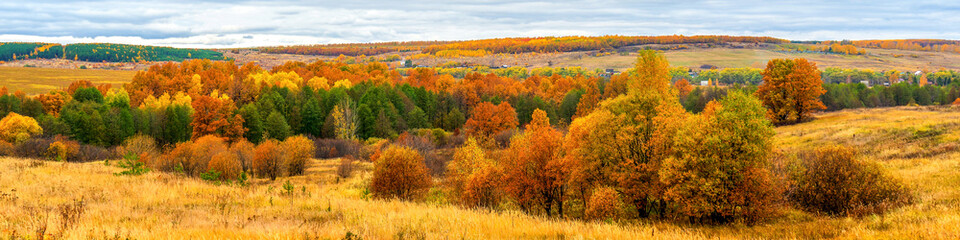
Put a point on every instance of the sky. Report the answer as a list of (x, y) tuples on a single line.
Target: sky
[(225, 23)]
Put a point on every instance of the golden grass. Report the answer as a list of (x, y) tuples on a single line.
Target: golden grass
[(162, 205), (42, 80)]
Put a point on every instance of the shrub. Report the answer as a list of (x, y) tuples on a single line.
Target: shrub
[(90, 153), (33, 148), (16, 128), (481, 188), (60, 151), (226, 164), (138, 145), (336, 148), (201, 152), (425, 147), (244, 151), (266, 159), (604, 204), (297, 150), (6, 148), (346, 167), (834, 181), (399, 172)]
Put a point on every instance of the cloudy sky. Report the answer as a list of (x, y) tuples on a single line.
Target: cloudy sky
[(225, 23)]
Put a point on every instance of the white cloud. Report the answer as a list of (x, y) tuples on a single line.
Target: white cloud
[(226, 23)]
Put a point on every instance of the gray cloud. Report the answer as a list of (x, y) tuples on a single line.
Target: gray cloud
[(206, 23)]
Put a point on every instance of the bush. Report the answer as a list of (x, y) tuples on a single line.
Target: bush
[(226, 164), (346, 167), (90, 153), (138, 145), (201, 152), (336, 148), (297, 150), (834, 181), (399, 172), (604, 204), (33, 148), (60, 151), (425, 147), (16, 128), (244, 151), (480, 189), (6, 148), (266, 159)]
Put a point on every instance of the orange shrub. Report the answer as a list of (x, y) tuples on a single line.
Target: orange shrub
[(6, 148), (399, 172), (604, 204), (244, 151), (201, 151), (266, 159), (481, 188), (297, 150), (227, 164)]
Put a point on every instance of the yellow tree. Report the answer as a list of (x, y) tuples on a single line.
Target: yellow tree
[(624, 142), (16, 128)]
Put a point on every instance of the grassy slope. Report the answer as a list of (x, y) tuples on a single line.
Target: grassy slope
[(42, 80), (160, 205)]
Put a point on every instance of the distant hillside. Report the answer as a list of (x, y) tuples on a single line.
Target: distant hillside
[(101, 52)]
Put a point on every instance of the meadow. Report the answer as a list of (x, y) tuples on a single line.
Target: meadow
[(42, 80), (915, 144)]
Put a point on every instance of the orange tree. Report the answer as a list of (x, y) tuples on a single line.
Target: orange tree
[(487, 119), (791, 90), (534, 174)]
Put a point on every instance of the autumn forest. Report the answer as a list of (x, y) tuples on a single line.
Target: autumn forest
[(408, 139)]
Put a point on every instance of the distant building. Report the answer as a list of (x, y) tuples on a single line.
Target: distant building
[(704, 83), (865, 83)]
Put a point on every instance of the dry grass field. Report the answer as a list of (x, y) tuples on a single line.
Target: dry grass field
[(918, 145), (42, 80)]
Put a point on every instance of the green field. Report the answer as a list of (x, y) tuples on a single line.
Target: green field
[(42, 80)]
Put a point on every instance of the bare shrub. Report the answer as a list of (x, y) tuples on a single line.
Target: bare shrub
[(336, 148), (33, 148), (425, 147), (70, 214), (346, 167)]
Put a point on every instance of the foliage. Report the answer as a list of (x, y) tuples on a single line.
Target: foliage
[(15, 128), (719, 174), (297, 150), (131, 166), (534, 174), (102, 52), (267, 159), (604, 204), (487, 119), (399, 172), (791, 90), (834, 180)]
